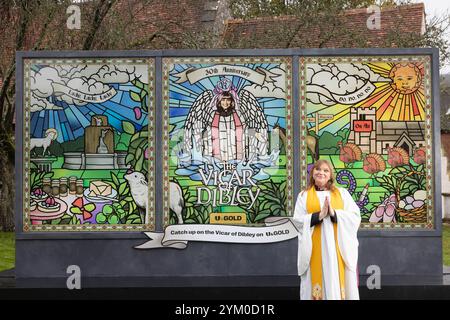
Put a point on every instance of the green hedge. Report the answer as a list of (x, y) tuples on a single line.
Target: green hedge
[(7, 251)]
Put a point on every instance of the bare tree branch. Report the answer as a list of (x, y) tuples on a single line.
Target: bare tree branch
[(100, 13), (24, 20)]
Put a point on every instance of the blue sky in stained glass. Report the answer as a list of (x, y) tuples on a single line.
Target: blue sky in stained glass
[(74, 116), (62, 116), (69, 131), (33, 122), (46, 119), (96, 109), (278, 103), (127, 101), (51, 118), (177, 120), (65, 136), (118, 97), (274, 112), (186, 93), (78, 132), (273, 120), (177, 96), (72, 119), (174, 112), (57, 124)]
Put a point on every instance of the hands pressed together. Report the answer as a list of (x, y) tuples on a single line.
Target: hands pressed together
[(327, 209)]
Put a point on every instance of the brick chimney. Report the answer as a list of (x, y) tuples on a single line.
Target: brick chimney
[(215, 12)]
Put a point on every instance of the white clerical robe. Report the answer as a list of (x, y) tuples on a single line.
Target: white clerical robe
[(227, 137), (348, 221)]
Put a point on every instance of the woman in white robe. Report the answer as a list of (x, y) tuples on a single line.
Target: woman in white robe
[(335, 244)]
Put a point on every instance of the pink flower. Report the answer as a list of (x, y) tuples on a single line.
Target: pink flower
[(146, 153), (385, 211), (420, 155)]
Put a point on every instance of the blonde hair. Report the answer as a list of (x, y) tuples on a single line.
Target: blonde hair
[(330, 184)]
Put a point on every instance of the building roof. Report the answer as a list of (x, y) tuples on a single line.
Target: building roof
[(289, 31), (171, 24)]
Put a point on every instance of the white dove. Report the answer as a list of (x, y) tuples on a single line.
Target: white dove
[(139, 192)]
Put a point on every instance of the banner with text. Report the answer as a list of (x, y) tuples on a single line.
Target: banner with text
[(277, 229)]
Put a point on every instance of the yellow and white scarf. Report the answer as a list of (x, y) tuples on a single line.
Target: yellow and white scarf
[(312, 206)]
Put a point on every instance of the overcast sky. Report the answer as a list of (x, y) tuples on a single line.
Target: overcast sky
[(437, 8)]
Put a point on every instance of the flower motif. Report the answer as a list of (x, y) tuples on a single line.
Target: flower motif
[(385, 211), (420, 155), (317, 292), (342, 293)]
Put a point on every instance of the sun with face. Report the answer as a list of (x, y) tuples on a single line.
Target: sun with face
[(400, 96), (406, 78)]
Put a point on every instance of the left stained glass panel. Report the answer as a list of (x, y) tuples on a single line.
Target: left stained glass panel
[(88, 145)]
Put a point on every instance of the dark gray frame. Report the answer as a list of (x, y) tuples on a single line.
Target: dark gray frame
[(415, 240)]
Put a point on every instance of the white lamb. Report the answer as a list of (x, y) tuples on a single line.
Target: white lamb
[(50, 135)]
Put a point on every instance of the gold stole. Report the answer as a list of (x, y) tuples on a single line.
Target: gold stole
[(313, 205)]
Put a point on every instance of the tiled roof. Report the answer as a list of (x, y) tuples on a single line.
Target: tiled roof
[(351, 30)]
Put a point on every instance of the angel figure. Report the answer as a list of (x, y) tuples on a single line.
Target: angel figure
[(226, 125)]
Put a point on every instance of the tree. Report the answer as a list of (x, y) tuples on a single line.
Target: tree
[(105, 25), (259, 8), (18, 20), (315, 24), (33, 25)]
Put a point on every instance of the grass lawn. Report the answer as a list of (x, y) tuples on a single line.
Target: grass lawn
[(446, 243), (7, 250)]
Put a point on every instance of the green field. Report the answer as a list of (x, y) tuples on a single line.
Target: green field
[(7, 251)]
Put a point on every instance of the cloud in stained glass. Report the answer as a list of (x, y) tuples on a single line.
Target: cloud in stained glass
[(65, 97)]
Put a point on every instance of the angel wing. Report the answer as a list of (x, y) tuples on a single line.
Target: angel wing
[(255, 123), (198, 120)]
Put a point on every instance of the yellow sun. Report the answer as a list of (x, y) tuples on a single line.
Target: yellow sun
[(398, 97), (403, 98), (406, 78)]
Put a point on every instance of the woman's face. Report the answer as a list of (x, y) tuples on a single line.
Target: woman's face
[(226, 102), (321, 175)]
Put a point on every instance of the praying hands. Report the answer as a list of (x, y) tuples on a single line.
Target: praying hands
[(327, 210)]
